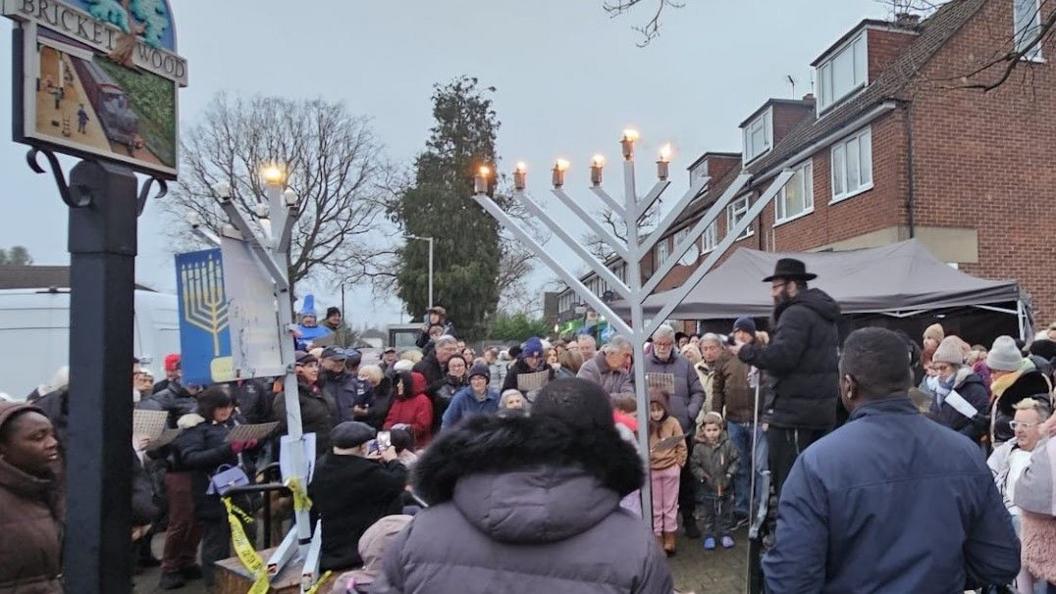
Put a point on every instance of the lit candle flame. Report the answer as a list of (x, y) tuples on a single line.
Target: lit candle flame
[(630, 134), (485, 171), (562, 165), (598, 160), (665, 153), (521, 167)]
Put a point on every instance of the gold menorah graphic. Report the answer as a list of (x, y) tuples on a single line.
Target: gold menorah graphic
[(204, 299)]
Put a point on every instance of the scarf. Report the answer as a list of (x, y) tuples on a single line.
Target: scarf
[(999, 385)]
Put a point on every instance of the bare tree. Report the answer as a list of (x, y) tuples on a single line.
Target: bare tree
[(332, 160), (651, 29)]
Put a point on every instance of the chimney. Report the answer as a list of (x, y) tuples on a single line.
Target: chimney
[(906, 20), (808, 97)]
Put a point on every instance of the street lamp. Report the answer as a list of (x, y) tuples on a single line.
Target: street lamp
[(431, 241)]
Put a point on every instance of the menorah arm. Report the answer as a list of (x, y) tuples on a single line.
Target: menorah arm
[(616, 244), (609, 201), (654, 194), (669, 219)]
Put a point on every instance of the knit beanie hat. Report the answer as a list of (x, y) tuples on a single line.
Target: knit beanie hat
[(935, 332), (480, 369), (1004, 355), (949, 351), (533, 347)]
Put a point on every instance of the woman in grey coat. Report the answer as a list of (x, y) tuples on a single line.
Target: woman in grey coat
[(529, 504)]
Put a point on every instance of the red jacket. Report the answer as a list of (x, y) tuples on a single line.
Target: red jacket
[(416, 411)]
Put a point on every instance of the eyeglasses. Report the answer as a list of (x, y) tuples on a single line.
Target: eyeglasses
[(1017, 424)]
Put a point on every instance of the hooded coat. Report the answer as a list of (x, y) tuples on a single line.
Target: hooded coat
[(350, 493), (714, 465), (525, 505), (890, 502), (688, 397), (801, 361), (667, 427), (31, 525), (413, 409), (465, 404), (732, 390), (613, 381)]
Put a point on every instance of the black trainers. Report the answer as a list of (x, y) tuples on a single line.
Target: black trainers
[(691, 530), (194, 572), (172, 581)]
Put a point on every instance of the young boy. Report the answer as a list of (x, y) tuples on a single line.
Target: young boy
[(714, 463)]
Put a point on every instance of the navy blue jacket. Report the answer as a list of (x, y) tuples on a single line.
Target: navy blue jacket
[(891, 502), (465, 404)]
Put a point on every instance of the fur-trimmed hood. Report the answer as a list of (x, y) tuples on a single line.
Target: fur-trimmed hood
[(528, 479)]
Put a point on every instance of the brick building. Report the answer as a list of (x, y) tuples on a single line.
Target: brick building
[(895, 146)]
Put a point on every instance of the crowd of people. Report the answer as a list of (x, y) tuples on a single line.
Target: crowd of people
[(867, 463)]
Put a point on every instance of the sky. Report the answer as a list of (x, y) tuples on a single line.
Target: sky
[(569, 79)]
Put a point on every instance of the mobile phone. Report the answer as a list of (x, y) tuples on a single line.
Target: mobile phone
[(384, 440), (372, 446)]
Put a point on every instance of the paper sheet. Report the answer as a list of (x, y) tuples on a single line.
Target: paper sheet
[(668, 443), (664, 381), (528, 382), (961, 405), (149, 423), (166, 437), (252, 431)]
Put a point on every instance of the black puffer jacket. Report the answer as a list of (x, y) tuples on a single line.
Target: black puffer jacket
[(972, 390), (801, 361), (175, 400), (203, 448), (349, 494)]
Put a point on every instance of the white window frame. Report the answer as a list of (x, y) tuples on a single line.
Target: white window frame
[(804, 177), (862, 143), (825, 74), (1023, 33), (663, 250), (710, 238), (763, 123), (734, 211)]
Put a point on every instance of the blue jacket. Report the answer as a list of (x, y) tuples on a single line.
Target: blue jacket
[(465, 404), (891, 502)]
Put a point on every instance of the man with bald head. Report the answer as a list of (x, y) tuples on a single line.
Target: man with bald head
[(891, 501)]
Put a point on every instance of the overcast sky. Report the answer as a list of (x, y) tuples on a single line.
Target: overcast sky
[(568, 80)]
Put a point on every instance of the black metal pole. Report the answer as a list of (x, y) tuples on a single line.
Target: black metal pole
[(102, 245)]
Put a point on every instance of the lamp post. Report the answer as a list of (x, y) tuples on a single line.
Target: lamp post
[(635, 289), (431, 241)]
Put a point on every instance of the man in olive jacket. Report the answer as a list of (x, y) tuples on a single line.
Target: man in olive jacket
[(801, 361)]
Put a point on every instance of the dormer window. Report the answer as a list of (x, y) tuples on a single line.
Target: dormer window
[(843, 73), (759, 135)]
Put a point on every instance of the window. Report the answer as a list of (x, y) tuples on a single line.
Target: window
[(758, 135), (735, 212), (852, 165), (662, 252), (699, 172), (845, 71), (797, 197), (1027, 25), (709, 239)]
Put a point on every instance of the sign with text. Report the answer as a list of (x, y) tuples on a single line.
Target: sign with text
[(205, 336), (98, 79)]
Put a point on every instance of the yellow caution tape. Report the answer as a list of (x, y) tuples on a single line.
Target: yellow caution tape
[(318, 584), (301, 502), (245, 551)]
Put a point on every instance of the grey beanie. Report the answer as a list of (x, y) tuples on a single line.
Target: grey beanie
[(1004, 355)]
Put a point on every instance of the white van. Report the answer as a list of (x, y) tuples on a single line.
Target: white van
[(35, 335)]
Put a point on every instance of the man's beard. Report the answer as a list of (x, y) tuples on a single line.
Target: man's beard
[(782, 297)]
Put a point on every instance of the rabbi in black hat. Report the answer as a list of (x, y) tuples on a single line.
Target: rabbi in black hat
[(353, 486), (801, 359)]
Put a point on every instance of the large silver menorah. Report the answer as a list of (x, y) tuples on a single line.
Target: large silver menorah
[(630, 211), (205, 303)]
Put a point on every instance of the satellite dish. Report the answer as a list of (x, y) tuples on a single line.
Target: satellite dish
[(691, 255)]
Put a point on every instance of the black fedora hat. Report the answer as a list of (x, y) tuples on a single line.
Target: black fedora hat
[(790, 269)]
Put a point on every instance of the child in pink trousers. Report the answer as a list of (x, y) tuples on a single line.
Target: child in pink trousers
[(667, 456)]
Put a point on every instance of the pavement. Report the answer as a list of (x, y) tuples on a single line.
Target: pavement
[(694, 569)]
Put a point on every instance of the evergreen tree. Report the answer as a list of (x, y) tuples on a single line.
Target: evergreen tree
[(468, 249)]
